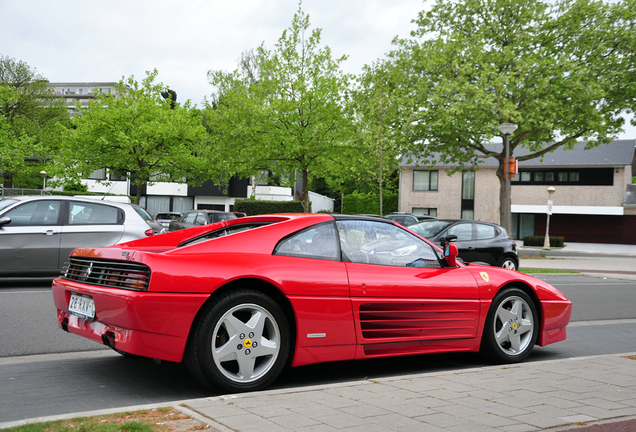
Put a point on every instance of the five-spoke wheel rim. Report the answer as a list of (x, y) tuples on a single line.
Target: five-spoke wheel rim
[(246, 343), (513, 326), (509, 264)]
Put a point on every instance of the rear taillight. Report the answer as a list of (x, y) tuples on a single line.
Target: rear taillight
[(149, 232)]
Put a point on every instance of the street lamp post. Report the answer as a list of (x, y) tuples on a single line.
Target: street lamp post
[(507, 129), (43, 175), (546, 242)]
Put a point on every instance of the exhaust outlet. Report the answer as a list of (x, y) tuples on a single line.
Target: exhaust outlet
[(64, 325), (108, 339)]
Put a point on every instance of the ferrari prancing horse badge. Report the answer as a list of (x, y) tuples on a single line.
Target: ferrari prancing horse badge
[(484, 276)]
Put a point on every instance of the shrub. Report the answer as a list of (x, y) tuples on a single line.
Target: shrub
[(357, 203), (539, 240), (255, 207)]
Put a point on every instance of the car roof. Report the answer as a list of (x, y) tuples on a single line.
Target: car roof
[(25, 198)]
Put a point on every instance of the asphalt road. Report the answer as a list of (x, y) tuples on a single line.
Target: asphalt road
[(60, 380)]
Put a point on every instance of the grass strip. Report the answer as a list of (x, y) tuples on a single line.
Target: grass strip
[(165, 419)]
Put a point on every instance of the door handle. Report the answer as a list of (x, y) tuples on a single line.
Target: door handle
[(50, 232)]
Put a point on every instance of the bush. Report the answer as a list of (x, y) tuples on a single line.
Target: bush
[(257, 207), (539, 240), (357, 203)]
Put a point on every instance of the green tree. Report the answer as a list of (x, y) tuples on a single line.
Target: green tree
[(374, 149), (137, 131), (283, 110), (562, 70), (30, 115)]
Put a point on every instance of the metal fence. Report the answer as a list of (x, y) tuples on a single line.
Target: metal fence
[(19, 191)]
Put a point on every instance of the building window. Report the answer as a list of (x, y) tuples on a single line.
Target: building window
[(99, 174), (71, 90), (468, 195), (59, 90), (117, 175), (104, 90), (424, 211), (580, 177), (425, 180)]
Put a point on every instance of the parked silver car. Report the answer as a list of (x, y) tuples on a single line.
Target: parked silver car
[(37, 233)]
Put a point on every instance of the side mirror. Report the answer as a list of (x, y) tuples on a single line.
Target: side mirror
[(449, 238), (5, 220), (450, 254)]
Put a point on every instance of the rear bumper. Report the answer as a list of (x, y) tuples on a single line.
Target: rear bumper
[(147, 324)]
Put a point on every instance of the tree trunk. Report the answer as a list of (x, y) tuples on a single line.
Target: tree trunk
[(306, 203)]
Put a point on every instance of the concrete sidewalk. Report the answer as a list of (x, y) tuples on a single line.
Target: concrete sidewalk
[(531, 396), (599, 260)]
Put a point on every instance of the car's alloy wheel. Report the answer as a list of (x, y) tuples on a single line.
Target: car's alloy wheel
[(511, 327), (241, 343), (508, 263)]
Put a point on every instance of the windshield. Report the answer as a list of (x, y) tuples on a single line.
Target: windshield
[(4, 203), (429, 228)]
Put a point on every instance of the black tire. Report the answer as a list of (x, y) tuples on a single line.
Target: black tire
[(239, 343), (509, 263), (511, 328)]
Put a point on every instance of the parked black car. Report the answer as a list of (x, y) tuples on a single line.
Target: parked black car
[(478, 242), (199, 217), (407, 219)]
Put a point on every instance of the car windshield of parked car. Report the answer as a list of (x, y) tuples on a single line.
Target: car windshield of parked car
[(386, 244), (4, 203), (319, 241), (429, 228)]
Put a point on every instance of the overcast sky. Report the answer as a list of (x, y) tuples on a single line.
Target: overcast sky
[(104, 41)]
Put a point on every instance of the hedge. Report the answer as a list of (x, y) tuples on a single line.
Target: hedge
[(540, 240), (357, 203), (256, 207)]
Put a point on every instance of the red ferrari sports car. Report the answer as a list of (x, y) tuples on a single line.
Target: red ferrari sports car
[(240, 299)]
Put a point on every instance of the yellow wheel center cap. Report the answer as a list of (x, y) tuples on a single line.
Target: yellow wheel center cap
[(515, 326), (247, 343)]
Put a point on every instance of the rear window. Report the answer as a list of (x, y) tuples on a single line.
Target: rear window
[(143, 213)]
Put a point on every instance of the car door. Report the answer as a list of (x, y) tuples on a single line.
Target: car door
[(402, 297), (88, 224), (488, 248), (31, 241), (465, 240)]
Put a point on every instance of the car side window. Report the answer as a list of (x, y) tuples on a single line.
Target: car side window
[(35, 213), (201, 219), (189, 218), (319, 241), (385, 244), (91, 214), (485, 232), (463, 231)]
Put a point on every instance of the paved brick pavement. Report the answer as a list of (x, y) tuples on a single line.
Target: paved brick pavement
[(525, 397)]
